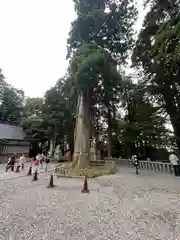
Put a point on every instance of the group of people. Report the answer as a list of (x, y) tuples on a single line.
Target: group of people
[(40, 159), (14, 159), (20, 159)]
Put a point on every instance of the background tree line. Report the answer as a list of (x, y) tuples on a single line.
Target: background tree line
[(129, 115)]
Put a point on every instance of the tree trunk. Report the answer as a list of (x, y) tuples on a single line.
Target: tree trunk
[(173, 111), (109, 139), (82, 133)]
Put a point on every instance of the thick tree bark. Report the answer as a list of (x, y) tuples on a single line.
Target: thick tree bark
[(82, 133), (174, 113), (87, 124), (109, 131)]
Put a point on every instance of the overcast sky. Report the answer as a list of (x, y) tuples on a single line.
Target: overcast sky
[(33, 42)]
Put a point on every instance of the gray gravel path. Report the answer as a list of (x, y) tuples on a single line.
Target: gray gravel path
[(118, 207)]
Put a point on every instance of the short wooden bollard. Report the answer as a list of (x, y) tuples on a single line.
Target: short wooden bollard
[(51, 182), (30, 171), (17, 169), (35, 178)]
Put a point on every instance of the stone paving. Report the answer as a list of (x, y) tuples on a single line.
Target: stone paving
[(123, 206)]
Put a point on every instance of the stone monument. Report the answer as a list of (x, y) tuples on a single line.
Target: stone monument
[(58, 153), (94, 152)]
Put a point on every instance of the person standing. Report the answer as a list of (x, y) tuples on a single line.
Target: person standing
[(22, 161), (175, 163), (42, 157), (13, 159), (68, 155), (11, 162), (37, 162)]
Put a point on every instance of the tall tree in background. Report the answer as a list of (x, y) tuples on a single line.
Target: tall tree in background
[(109, 25), (90, 66), (33, 107), (11, 102), (58, 114), (51, 117), (157, 51), (2, 84), (143, 130), (33, 122)]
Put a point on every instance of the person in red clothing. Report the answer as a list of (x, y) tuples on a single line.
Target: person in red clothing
[(38, 159), (68, 155)]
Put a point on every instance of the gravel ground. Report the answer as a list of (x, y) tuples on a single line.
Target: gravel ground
[(118, 207)]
